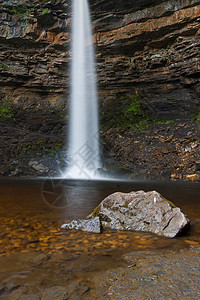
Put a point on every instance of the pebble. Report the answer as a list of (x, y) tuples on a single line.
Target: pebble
[(192, 177), (164, 150)]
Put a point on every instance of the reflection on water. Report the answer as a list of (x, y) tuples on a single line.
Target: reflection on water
[(32, 211)]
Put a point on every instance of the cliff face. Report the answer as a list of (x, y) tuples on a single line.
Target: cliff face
[(33, 52), (148, 64), (153, 51), (143, 47)]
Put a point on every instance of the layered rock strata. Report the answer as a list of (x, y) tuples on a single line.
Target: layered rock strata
[(145, 49), (154, 52)]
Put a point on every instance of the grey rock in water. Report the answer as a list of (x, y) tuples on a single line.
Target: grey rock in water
[(141, 211), (91, 225)]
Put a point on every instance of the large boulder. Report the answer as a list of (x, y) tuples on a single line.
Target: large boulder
[(141, 211)]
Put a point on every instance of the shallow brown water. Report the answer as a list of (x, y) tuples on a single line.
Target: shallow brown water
[(34, 248), (32, 211)]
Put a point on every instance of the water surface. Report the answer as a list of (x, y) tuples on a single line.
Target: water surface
[(32, 209)]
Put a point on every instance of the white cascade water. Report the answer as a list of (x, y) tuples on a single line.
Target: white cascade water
[(83, 140)]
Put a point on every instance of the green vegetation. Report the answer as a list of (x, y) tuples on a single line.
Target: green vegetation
[(46, 11), (5, 109), (171, 203), (127, 112), (166, 122), (96, 211), (131, 112), (141, 125), (56, 148), (197, 117), (4, 67), (27, 148), (62, 115), (136, 115), (42, 144), (20, 9), (135, 106)]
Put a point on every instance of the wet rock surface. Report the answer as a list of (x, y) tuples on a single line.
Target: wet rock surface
[(92, 225), (167, 151), (140, 211), (148, 275), (136, 275), (28, 152)]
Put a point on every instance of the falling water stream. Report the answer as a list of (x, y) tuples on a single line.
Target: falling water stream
[(83, 150)]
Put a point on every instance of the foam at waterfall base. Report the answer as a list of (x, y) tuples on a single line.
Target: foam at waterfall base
[(74, 173)]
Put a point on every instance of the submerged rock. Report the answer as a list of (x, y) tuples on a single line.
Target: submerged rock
[(91, 225), (141, 211)]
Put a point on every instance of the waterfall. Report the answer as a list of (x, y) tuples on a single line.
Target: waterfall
[(83, 137)]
